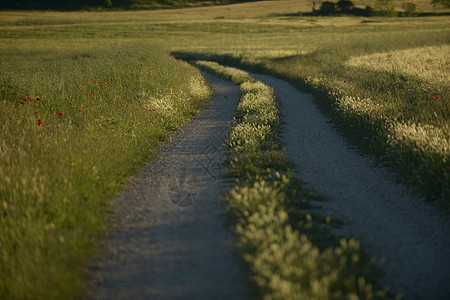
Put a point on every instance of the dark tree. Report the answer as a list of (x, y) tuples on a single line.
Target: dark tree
[(327, 8), (345, 6)]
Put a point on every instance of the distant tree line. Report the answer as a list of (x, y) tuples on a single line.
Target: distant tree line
[(90, 4), (382, 8), (328, 8), (53, 4)]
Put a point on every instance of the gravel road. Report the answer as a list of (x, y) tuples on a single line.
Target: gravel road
[(169, 239), (388, 221)]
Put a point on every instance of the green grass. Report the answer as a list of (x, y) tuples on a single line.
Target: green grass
[(103, 112), (53, 191)]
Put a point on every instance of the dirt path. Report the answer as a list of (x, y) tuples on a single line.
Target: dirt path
[(389, 223), (170, 240)]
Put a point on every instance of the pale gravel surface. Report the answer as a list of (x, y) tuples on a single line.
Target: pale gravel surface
[(387, 220), (159, 250)]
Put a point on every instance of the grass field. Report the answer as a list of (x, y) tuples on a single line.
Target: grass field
[(65, 151)]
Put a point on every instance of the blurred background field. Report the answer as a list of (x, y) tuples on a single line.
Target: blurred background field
[(383, 80)]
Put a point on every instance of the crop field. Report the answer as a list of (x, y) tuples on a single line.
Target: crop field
[(88, 96)]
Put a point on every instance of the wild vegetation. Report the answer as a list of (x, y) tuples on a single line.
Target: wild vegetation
[(65, 151), (74, 126)]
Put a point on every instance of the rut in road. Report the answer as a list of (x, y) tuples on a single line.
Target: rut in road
[(387, 220), (170, 240)]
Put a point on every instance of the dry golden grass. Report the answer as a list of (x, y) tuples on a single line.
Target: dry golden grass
[(428, 63)]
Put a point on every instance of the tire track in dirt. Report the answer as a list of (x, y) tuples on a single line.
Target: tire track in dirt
[(387, 220), (169, 239)]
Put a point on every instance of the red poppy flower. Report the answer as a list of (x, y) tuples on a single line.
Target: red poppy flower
[(436, 96), (71, 103), (38, 98), (22, 102), (100, 84), (39, 122), (107, 82), (59, 113), (118, 104), (94, 78), (80, 109)]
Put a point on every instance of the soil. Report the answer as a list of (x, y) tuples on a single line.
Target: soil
[(391, 223), (169, 238)]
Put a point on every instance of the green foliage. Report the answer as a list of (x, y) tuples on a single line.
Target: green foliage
[(385, 8), (327, 8), (410, 9), (345, 7)]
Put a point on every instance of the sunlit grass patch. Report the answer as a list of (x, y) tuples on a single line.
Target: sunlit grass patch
[(424, 152), (428, 63), (286, 265)]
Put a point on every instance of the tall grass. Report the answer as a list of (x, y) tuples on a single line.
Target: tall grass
[(74, 126)]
